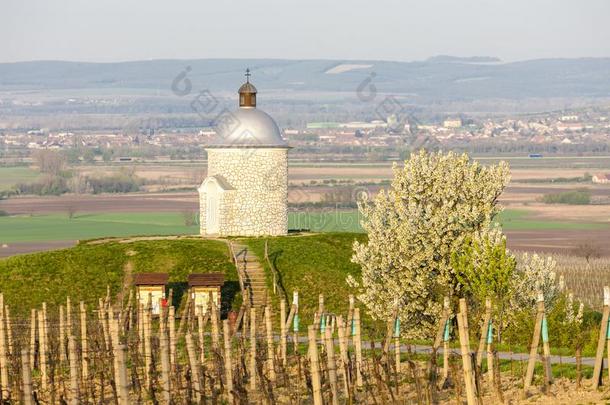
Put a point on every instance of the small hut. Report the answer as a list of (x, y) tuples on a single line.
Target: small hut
[(153, 285), (204, 285)]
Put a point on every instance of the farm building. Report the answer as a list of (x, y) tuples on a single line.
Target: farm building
[(202, 286), (151, 286), (245, 193), (601, 178)]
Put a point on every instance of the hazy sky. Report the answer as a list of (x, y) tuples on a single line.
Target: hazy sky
[(117, 30)]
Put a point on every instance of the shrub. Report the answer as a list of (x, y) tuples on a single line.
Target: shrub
[(577, 197), (114, 184), (49, 185)]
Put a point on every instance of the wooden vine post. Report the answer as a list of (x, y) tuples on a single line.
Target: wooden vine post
[(484, 329), (315, 366), (165, 363), (140, 326), (442, 336), (540, 329), (228, 361), (358, 346), (469, 378), (62, 337), (193, 365), (490, 354), (172, 336), (74, 375), (318, 314), (295, 322), (26, 377), (288, 322), (252, 367), (113, 329), (200, 332), (42, 334), (215, 327), (343, 354), (148, 341), (69, 329), (397, 344), (283, 328), (83, 342), (331, 365), (269, 329), (4, 383), (9, 329), (546, 353), (32, 338), (123, 384), (603, 336)]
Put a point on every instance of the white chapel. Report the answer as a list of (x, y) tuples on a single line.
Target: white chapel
[(246, 189)]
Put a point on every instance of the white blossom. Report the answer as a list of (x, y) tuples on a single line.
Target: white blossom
[(433, 204), (535, 274)]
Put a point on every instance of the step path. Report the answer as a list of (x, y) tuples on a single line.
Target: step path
[(249, 266)]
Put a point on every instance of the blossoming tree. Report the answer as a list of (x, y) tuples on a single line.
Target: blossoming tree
[(434, 202)]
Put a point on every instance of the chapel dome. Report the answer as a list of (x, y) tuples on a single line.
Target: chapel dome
[(247, 126)]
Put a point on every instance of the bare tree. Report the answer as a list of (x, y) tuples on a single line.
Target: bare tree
[(588, 249), (71, 211), (49, 161)]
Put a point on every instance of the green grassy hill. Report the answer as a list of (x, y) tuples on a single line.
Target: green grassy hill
[(310, 263), (83, 272)]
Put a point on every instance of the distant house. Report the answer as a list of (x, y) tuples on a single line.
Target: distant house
[(151, 286), (601, 178), (452, 123), (202, 286)]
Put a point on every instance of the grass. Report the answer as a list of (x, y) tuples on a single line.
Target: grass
[(84, 271), (9, 176), (312, 264)]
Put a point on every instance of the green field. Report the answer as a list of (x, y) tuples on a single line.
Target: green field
[(520, 220), (40, 228), (9, 176), (89, 226), (349, 221)]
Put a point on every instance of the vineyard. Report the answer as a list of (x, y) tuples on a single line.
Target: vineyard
[(121, 353), (585, 277)]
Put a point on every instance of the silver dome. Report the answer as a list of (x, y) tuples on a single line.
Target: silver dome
[(247, 127)]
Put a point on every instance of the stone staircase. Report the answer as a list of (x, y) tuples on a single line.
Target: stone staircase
[(252, 273)]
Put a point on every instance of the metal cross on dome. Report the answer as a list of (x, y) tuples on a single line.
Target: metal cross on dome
[(248, 74)]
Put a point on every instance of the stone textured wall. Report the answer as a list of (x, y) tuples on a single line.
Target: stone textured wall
[(257, 204)]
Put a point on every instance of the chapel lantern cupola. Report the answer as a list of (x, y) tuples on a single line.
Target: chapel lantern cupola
[(247, 93)]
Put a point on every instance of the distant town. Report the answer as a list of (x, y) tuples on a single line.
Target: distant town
[(381, 139)]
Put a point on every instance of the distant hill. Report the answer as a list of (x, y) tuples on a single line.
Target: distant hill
[(459, 59), (441, 77)]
